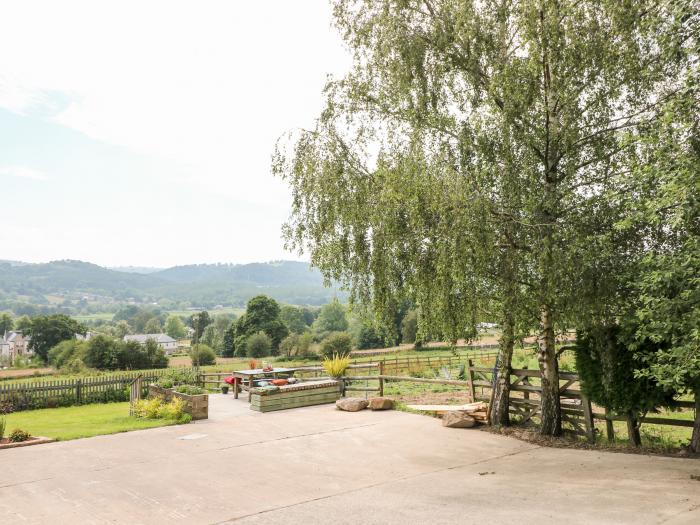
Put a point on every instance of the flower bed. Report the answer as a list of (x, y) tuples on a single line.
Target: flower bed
[(196, 405)]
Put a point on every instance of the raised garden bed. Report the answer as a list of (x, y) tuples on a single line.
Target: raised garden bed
[(294, 396), (34, 440), (196, 406)]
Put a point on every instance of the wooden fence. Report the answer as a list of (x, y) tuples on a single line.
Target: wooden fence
[(578, 414), (390, 366), (66, 392)]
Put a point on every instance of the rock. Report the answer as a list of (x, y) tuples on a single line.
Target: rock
[(351, 404), (381, 403), (457, 419)]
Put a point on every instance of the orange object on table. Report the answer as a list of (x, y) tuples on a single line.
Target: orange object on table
[(280, 382)]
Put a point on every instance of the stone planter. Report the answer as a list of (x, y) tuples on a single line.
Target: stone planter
[(196, 406)]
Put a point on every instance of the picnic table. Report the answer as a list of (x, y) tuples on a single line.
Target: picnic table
[(257, 373)]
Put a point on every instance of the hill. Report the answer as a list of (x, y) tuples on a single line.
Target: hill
[(78, 284)]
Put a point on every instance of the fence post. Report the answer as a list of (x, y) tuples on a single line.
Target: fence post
[(381, 379), (78, 391), (609, 427), (588, 418), (470, 378), (135, 395)]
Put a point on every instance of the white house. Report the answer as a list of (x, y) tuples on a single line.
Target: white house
[(167, 343), (15, 344)]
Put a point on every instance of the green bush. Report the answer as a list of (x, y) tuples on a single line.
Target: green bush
[(339, 343), (202, 355), (190, 390), (157, 408), (369, 337), (3, 424), (18, 435), (606, 368), (259, 345), (165, 382)]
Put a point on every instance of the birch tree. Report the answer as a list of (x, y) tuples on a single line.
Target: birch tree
[(453, 163)]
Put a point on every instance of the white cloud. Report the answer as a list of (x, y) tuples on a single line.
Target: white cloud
[(23, 172), (207, 85), (200, 90)]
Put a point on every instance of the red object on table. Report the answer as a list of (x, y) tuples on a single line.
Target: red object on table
[(232, 380), (279, 382)]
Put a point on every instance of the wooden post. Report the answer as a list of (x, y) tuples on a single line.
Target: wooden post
[(633, 430), (78, 391), (381, 379), (470, 378), (526, 381), (588, 418), (609, 427)]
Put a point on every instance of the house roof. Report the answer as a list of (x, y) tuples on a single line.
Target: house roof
[(142, 338), (11, 336)]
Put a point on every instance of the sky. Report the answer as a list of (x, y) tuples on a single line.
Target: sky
[(141, 133)]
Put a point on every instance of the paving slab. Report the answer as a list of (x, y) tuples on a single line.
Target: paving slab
[(321, 465)]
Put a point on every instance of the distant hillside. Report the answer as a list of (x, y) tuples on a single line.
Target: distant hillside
[(65, 282)]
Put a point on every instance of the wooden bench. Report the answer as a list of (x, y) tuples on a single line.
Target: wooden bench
[(303, 394)]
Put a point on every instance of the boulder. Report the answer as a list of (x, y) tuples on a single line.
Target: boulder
[(458, 419), (351, 404), (381, 403)]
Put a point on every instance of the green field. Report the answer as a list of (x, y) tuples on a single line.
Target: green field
[(102, 316), (107, 316), (80, 421)]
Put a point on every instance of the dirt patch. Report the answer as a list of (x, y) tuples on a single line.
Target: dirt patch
[(25, 372), (434, 398), (530, 434)]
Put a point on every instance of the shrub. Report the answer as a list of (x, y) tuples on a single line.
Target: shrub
[(179, 376), (172, 410), (336, 343), (369, 337), (157, 408), (18, 435), (259, 345), (335, 366), (3, 424), (165, 382), (202, 355), (606, 368), (190, 390)]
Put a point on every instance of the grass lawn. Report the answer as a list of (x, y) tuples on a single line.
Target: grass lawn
[(80, 421)]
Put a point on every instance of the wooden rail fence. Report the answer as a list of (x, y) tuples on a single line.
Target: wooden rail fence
[(577, 411)]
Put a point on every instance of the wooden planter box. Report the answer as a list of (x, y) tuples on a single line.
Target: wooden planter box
[(196, 406), (297, 395)]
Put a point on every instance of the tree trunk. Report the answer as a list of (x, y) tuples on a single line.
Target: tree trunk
[(695, 439), (633, 430), (500, 401), (550, 409)]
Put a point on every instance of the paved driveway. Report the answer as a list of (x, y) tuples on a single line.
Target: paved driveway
[(319, 465)]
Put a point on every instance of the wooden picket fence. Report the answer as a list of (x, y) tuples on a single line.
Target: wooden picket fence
[(67, 392)]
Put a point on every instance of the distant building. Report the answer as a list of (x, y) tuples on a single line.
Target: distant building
[(86, 337), (167, 343), (15, 344)]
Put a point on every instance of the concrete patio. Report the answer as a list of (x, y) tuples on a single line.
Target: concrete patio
[(319, 465)]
